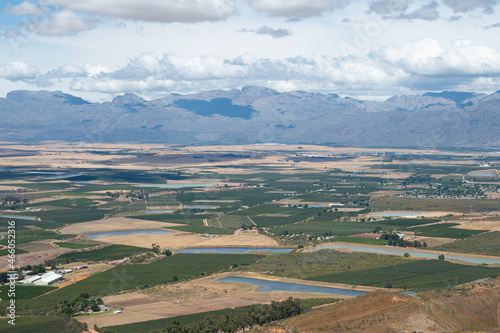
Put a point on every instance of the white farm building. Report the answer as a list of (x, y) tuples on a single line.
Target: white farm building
[(48, 279)]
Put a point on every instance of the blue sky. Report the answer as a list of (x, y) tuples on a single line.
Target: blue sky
[(99, 49)]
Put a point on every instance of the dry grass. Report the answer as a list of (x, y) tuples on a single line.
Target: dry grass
[(465, 308)]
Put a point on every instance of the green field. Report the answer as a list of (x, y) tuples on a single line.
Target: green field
[(4, 252), (305, 265), (123, 277), (487, 244), (112, 252), (44, 324), (445, 230), (25, 291), (231, 221), (25, 236), (61, 217), (416, 275)]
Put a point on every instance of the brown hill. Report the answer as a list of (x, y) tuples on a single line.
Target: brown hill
[(470, 307)]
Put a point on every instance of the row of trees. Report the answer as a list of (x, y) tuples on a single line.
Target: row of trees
[(395, 240), (80, 304), (239, 320)]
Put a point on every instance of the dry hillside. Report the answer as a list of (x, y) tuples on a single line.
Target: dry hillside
[(468, 308)]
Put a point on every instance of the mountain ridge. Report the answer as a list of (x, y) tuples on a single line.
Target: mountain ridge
[(256, 115)]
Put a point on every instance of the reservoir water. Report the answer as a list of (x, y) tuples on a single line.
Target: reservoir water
[(200, 207), (30, 218), (413, 253), (266, 285), (158, 211), (223, 201), (127, 232), (398, 214), (227, 250), (175, 185)]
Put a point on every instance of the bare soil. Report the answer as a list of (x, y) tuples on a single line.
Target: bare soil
[(114, 224), (193, 297), (180, 240)]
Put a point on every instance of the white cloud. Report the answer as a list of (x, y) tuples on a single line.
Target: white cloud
[(420, 64), (24, 8), (69, 70), (297, 8), (153, 10), (18, 71), (463, 6), (429, 57), (60, 23)]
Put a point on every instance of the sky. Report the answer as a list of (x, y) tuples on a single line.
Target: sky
[(99, 49)]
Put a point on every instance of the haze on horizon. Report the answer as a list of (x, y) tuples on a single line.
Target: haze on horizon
[(367, 49)]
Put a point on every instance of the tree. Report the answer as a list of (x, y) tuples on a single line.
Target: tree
[(441, 257), (406, 255)]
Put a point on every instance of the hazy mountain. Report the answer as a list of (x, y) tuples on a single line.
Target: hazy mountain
[(256, 114)]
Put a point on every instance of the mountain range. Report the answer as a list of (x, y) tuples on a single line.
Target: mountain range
[(256, 115)]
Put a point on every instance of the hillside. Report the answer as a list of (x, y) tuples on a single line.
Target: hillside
[(254, 115), (471, 307)]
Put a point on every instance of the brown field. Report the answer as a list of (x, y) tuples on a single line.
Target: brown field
[(75, 155), (35, 257), (114, 224), (196, 296), (478, 224), (180, 240)]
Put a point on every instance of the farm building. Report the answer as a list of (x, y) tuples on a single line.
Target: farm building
[(31, 280), (48, 279)]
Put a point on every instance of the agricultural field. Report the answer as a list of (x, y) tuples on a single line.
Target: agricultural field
[(374, 197), (44, 324), (75, 245), (416, 276), (26, 291), (486, 243), (305, 304), (112, 252)]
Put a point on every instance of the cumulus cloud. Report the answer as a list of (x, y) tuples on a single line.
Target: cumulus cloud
[(463, 6), (60, 23), (153, 10), (18, 71), (386, 7), (420, 64), (428, 57), (297, 8), (24, 8), (275, 33)]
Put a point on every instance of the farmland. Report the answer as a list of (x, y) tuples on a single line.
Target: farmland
[(253, 196), (112, 252)]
